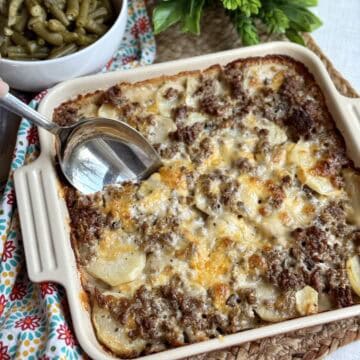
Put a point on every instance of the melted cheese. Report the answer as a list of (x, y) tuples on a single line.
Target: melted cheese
[(154, 196)]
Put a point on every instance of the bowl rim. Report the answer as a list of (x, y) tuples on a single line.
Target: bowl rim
[(70, 56)]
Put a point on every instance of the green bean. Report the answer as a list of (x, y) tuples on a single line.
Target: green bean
[(8, 31), (108, 5), (100, 13), (56, 25), (81, 31), (40, 41), (30, 4), (95, 27), (4, 47), (72, 9), (32, 46), (21, 20), (23, 57), (93, 5), (14, 7), (85, 40), (2, 41), (69, 37), (3, 23), (17, 49), (34, 20), (83, 13), (3, 7), (56, 12), (61, 4), (62, 51), (52, 38), (38, 11), (19, 39)]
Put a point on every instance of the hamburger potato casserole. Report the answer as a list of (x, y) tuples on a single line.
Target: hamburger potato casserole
[(253, 219)]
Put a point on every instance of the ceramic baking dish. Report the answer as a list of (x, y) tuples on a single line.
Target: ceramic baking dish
[(44, 216)]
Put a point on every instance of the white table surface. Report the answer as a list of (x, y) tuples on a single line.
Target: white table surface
[(339, 38)]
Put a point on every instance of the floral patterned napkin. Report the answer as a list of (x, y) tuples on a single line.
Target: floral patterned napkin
[(34, 318)]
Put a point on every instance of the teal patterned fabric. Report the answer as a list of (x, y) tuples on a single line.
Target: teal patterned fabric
[(34, 318)]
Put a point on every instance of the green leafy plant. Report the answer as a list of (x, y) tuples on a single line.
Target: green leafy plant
[(289, 17)]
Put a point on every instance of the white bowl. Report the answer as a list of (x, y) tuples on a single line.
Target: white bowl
[(42, 74)]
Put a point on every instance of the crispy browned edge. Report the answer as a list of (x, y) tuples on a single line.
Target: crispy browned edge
[(300, 68)]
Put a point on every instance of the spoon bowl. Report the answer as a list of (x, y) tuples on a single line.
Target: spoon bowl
[(97, 152), (93, 153)]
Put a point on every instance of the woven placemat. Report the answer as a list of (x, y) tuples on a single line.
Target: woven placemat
[(311, 343)]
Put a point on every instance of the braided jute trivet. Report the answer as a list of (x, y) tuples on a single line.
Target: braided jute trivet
[(308, 344)]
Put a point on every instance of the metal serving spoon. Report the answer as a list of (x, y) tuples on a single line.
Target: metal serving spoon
[(93, 152)]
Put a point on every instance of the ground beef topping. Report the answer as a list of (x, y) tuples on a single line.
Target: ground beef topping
[(243, 164), (299, 124), (86, 219), (171, 93), (187, 134), (114, 96), (66, 115), (180, 113)]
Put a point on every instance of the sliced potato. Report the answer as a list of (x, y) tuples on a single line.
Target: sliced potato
[(89, 111), (158, 133), (108, 111), (267, 296), (353, 272), (124, 268), (300, 154), (271, 315), (307, 301), (321, 184), (276, 134), (229, 226), (278, 80), (352, 186), (112, 334), (165, 105)]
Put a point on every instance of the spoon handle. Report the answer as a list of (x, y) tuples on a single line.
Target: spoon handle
[(14, 105)]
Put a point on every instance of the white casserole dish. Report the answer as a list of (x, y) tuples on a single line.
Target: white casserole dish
[(44, 217)]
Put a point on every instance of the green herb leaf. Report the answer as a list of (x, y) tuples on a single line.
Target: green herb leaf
[(290, 17), (295, 37), (246, 29), (304, 3), (276, 20), (166, 14), (248, 7), (231, 4), (303, 19), (192, 18)]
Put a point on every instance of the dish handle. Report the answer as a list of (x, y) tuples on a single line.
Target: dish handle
[(43, 230)]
